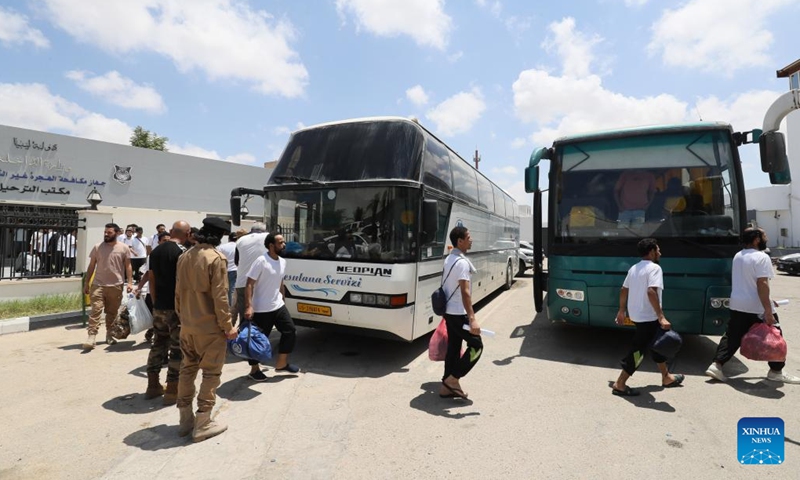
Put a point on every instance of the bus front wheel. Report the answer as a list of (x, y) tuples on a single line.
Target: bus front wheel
[(509, 274)]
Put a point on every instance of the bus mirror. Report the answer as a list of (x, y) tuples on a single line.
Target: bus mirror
[(430, 220), (236, 210), (773, 152), (531, 179)]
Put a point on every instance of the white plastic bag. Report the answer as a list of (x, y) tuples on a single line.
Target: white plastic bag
[(140, 317)]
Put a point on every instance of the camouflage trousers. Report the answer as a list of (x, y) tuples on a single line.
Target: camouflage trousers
[(167, 339)]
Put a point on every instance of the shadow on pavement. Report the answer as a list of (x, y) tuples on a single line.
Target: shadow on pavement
[(127, 346), (645, 399), (337, 354), (761, 388), (430, 402), (240, 389), (160, 437), (133, 403), (605, 347)]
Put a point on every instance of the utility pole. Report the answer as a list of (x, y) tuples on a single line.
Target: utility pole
[(476, 159)]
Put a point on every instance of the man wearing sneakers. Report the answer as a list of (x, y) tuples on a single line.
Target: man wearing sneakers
[(110, 263), (640, 295), (264, 305), (749, 303)]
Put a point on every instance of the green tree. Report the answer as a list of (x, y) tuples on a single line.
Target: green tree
[(144, 139)]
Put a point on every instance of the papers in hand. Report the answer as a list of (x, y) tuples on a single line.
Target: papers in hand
[(485, 332)]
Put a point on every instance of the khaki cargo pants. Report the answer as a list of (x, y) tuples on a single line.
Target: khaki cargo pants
[(106, 298), (201, 352)]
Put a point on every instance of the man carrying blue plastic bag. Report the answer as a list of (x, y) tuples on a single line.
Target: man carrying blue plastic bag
[(264, 305), (641, 296)]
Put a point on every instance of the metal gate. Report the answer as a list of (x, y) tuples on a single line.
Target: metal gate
[(37, 241)]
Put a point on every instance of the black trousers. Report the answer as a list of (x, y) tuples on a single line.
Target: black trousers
[(281, 319), (645, 332), (738, 326), (455, 363), (136, 264)]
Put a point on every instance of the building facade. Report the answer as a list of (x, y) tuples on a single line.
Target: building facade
[(46, 227)]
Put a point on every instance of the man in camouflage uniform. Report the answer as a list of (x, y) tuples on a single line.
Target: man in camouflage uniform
[(166, 324)]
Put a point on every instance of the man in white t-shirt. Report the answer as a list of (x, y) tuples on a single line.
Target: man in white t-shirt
[(641, 296), (265, 307), (457, 285), (749, 304), (229, 250), (248, 249)]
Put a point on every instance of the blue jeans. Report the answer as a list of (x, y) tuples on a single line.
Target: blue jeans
[(630, 218), (231, 284)]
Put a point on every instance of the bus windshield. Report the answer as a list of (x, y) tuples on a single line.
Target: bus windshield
[(366, 150), (662, 185), (369, 224)]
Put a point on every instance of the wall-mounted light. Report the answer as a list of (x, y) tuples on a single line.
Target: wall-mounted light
[(94, 198)]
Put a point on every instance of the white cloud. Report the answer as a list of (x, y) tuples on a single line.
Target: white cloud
[(711, 37), (282, 130), (15, 30), (422, 20), (454, 57), (33, 106), (518, 143), (574, 48), (225, 39), (195, 151), (417, 96), (635, 3), (118, 90), (744, 111), (507, 170), (458, 113)]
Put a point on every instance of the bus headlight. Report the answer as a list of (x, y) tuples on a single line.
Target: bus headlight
[(356, 298), (576, 295), (719, 302)]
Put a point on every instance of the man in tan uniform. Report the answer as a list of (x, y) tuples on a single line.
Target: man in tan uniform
[(110, 263), (201, 302)]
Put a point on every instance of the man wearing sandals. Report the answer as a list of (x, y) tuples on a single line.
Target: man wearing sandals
[(265, 307), (641, 294), (458, 313)]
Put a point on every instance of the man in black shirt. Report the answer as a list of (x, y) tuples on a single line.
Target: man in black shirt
[(166, 324)]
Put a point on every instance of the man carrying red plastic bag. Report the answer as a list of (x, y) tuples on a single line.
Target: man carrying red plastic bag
[(751, 306)]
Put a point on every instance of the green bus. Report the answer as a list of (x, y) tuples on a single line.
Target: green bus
[(679, 184)]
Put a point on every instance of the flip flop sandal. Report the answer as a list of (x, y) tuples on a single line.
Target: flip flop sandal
[(677, 382), (628, 392), (457, 392)]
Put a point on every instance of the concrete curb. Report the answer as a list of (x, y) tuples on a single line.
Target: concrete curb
[(25, 324)]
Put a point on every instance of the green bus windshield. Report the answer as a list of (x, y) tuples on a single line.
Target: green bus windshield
[(665, 185)]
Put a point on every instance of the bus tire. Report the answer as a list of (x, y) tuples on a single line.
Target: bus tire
[(509, 275)]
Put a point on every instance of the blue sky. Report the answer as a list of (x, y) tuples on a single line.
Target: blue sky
[(229, 79)]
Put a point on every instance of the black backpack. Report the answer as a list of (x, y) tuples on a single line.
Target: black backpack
[(438, 298)]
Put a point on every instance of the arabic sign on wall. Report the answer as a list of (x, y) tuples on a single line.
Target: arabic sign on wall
[(45, 167)]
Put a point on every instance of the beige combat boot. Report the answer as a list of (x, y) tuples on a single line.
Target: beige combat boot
[(205, 428), (171, 393), (90, 342), (154, 387), (187, 421)]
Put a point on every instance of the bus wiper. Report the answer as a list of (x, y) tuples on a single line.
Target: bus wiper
[(298, 179)]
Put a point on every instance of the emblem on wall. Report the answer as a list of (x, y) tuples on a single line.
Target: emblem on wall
[(122, 175)]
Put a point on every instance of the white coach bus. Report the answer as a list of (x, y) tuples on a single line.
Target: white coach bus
[(366, 207)]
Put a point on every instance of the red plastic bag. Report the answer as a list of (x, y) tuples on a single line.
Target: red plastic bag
[(437, 347), (764, 343)]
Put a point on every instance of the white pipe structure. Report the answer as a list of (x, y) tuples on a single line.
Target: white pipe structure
[(784, 105)]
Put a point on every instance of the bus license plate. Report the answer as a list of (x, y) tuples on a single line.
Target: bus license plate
[(314, 309), (628, 322)]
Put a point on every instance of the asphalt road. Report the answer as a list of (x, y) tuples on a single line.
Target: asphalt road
[(540, 407)]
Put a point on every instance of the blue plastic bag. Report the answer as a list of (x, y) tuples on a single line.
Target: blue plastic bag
[(251, 344), (666, 342)]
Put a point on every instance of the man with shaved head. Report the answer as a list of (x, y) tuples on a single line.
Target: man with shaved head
[(166, 324)]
